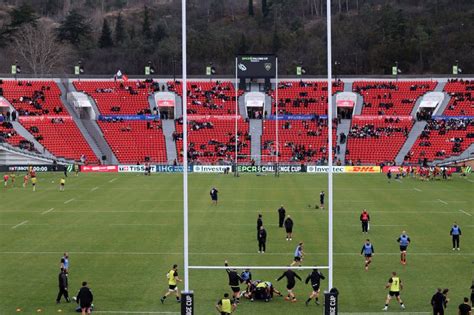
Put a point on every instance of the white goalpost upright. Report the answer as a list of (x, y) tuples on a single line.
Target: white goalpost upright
[(185, 147), (329, 150), (187, 267)]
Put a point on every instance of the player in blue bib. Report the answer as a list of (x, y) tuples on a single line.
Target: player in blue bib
[(368, 251), (404, 241)]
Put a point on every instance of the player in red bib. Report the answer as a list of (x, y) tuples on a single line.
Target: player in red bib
[(5, 180), (25, 180)]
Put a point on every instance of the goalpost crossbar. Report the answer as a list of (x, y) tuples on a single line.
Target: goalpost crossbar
[(260, 267)]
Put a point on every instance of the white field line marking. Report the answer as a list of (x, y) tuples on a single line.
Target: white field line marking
[(442, 201), (68, 201), (385, 313), (316, 212), (19, 224), (417, 189), (470, 180), (47, 211), (138, 224), (466, 213), (135, 312), (447, 253), (95, 188), (113, 180)]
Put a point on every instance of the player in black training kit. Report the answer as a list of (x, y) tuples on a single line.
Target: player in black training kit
[(321, 199), (213, 194), (315, 276), (291, 282), (234, 281)]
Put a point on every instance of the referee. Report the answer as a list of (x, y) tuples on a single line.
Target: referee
[(315, 276)]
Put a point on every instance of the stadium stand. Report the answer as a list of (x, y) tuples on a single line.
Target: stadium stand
[(34, 98), (9, 135), (391, 98), (60, 135), (303, 97), (462, 100), (39, 105), (299, 140), (212, 140), (117, 97), (208, 98), (376, 140), (442, 138), (135, 141)]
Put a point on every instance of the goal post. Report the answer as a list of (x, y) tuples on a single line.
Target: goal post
[(187, 303)]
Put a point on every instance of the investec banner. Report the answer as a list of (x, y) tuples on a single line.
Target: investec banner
[(269, 168), (211, 168), (324, 169), (134, 168), (362, 169)]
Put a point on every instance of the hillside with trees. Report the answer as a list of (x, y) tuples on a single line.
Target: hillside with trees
[(51, 36)]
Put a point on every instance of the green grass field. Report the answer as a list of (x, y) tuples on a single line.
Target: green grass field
[(123, 233)]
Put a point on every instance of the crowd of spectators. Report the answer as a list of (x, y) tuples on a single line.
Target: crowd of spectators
[(223, 151), (442, 127), (36, 101), (371, 131), (213, 98)]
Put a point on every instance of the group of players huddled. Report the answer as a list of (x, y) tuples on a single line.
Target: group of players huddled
[(426, 173)]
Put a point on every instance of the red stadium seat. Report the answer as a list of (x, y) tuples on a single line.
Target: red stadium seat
[(303, 97), (390, 97)]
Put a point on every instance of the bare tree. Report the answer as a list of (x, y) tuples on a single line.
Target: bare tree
[(39, 48)]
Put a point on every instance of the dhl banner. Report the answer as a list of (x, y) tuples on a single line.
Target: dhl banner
[(361, 169)]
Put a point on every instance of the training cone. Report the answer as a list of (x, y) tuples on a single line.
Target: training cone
[(39, 310), (60, 311), (18, 309)]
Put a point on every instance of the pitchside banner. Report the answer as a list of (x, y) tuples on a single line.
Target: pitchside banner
[(256, 66), (324, 169), (99, 169), (135, 168), (270, 168), (172, 168), (211, 168), (361, 169), (36, 168)]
